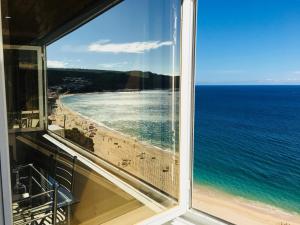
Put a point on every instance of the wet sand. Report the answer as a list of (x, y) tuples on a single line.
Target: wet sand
[(238, 210)]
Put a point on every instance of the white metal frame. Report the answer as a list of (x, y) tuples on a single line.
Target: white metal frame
[(5, 188), (188, 12), (38, 49), (188, 20)]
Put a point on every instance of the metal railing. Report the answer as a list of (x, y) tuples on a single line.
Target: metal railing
[(34, 197)]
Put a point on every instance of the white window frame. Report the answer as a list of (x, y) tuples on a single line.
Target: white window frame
[(188, 35), (188, 15), (188, 20), (6, 206)]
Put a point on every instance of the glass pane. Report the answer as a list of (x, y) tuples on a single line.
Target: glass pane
[(246, 161), (113, 89), (22, 78), (111, 93)]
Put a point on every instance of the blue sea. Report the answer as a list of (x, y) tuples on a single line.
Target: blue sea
[(247, 142), (247, 138)]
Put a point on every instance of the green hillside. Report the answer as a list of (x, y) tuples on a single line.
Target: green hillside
[(82, 80)]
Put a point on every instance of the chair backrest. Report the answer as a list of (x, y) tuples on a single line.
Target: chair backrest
[(40, 206), (64, 170)]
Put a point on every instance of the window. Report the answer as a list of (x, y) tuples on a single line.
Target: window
[(23, 70), (113, 89), (246, 157), (93, 93)]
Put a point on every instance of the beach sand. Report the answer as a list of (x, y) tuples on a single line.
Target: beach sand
[(158, 167), (239, 210)]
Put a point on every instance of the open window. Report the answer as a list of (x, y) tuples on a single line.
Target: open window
[(95, 95), (24, 87), (113, 90)]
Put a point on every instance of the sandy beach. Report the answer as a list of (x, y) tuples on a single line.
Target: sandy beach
[(239, 210), (158, 167)]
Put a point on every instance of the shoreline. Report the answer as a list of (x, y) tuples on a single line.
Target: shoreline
[(110, 128), (235, 209), (239, 210), (114, 91), (158, 167)]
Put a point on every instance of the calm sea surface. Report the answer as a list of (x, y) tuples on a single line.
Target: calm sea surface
[(247, 142), (247, 138)]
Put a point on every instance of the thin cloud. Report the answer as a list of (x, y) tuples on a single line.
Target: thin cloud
[(81, 48), (56, 64), (131, 47)]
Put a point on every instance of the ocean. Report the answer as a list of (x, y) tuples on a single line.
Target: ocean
[(247, 138), (145, 115), (247, 142)]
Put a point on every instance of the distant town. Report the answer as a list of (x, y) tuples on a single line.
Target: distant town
[(84, 81)]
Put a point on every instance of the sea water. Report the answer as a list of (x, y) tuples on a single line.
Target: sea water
[(247, 138), (247, 142), (149, 116)]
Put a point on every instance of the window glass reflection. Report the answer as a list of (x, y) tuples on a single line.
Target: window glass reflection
[(113, 89)]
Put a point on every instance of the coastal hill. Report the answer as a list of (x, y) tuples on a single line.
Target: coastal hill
[(83, 80)]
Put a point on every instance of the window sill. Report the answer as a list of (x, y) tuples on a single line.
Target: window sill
[(194, 217)]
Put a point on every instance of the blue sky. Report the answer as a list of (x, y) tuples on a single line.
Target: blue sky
[(134, 35), (238, 41), (248, 42)]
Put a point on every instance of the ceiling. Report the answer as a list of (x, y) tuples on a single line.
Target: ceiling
[(40, 22)]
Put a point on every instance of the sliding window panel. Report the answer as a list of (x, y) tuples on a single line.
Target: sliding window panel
[(114, 90), (24, 88), (114, 95)]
